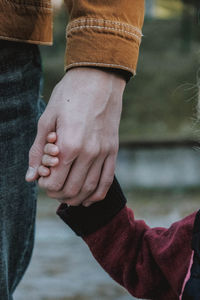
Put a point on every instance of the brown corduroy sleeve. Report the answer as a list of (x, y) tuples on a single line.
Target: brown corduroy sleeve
[(104, 33)]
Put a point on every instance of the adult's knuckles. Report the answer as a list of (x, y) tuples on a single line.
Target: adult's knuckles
[(109, 149), (70, 148), (113, 152), (91, 152), (113, 149)]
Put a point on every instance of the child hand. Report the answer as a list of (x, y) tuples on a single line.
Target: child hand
[(49, 158)]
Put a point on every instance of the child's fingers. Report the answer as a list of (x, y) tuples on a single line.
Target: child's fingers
[(43, 171), (51, 137), (49, 161), (51, 149)]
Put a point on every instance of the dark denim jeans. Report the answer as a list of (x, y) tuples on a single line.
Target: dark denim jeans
[(20, 107)]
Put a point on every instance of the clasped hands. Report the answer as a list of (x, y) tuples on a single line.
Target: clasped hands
[(74, 153)]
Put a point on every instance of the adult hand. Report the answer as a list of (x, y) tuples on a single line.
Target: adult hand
[(84, 110)]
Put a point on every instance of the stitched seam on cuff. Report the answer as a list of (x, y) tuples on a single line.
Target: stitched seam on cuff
[(92, 20), (105, 28), (104, 25), (100, 64)]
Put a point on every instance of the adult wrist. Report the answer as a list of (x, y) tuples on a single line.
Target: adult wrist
[(126, 75)]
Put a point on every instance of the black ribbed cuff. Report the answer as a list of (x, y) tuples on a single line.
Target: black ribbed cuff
[(86, 220)]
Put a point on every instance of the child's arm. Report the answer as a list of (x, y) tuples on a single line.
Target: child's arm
[(150, 263)]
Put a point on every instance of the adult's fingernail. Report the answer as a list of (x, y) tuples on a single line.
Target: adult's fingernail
[(31, 172)]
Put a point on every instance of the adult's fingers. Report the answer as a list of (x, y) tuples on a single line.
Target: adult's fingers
[(105, 182), (88, 186), (77, 174), (56, 180)]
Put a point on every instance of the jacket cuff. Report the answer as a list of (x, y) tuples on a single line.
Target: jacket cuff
[(104, 43), (86, 220)]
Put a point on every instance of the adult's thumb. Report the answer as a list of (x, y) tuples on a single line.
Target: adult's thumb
[(35, 156)]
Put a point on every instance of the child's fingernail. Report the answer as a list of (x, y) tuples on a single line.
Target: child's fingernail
[(31, 172)]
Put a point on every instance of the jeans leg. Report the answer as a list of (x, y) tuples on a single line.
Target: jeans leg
[(20, 107)]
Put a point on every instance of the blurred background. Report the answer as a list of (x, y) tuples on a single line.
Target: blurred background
[(159, 161)]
